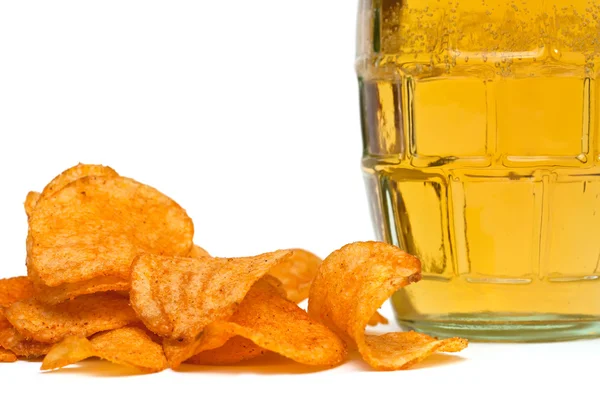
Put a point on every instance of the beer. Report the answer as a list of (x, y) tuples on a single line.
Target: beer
[(482, 157)]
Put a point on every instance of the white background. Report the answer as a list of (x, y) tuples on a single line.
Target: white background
[(246, 113)]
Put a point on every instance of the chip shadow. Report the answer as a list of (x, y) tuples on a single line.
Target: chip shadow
[(97, 368), (269, 364)]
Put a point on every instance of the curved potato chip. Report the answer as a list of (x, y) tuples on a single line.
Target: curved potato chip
[(279, 325), (377, 319), (70, 351), (82, 317), (74, 173), (198, 252), (401, 350), (11, 340), (70, 175), (178, 297), (235, 350), (15, 289), (351, 285), (95, 226), (276, 324), (69, 291), (296, 273), (7, 356), (130, 346), (30, 202), (212, 337)]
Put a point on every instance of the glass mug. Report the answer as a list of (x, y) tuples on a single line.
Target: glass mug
[(482, 157)]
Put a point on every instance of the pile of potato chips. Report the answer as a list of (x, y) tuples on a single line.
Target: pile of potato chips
[(112, 272)]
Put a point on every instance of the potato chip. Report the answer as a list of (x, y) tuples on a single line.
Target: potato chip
[(212, 337), (14, 289), (70, 175), (178, 297), (237, 349), (30, 202), (279, 325), (377, 319), (296, 273), (126, 346), (198, 252), (70, 351), (74, 173), (351, 285), (7, 356), (94, 227), (401, 350), (11, 340), (69, 291), (82, 317), (130, 346)]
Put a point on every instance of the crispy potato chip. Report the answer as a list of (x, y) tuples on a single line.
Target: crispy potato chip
[(70, 351), (296, 273), (82, 317), (130, 346), (69, 291), (14, 289), (377, 319), (70, 175), (279, 325), (401, 350), (11, 340), (178, 297), (351, 285), (212, 337), (94, 227), (198, 252), (74, 173), (30, 202), (237, 349), (7, 356)]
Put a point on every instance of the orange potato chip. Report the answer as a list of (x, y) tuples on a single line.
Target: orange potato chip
[(30, 202), (7, 356), (69, 291), (296, 273), (74, 173), (377, 319), (198, 252), (70, 350), (94, 227), (237, 349), (14, 289), (128, 346), (178, 297), (70, 175), (212, 337), (351, 285), (82, 317), (276, 324), (401, 350), (11, 340)]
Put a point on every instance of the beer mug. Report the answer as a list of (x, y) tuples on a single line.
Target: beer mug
[(482, 157)]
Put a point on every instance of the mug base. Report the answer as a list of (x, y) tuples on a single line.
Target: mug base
[(488, 327)]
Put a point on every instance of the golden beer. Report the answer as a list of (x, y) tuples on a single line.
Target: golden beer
[(482, 157)]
